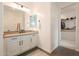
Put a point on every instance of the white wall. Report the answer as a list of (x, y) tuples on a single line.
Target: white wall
[(77, 27), (1, 29), (55, 22), (68, 35), (43, 11)]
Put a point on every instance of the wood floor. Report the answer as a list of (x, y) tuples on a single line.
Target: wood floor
[(60, 51)]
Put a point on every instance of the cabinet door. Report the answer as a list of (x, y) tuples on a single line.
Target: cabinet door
[(12, 45), (26, 42), (34, 40)]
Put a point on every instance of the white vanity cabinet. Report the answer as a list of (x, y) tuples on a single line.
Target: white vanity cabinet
[(34, 40), (29, 42), (19, 44), (26, 42), (13, 46)]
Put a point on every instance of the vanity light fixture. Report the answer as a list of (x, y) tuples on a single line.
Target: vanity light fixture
[(18, 6)]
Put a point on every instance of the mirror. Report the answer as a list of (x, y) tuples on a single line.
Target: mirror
[(13, 18), (33, 21)]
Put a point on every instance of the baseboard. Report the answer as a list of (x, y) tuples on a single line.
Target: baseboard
[(45, 51), (54, 50), (29, 51)]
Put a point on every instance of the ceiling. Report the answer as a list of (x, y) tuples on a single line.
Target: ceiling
[(60, 4), (64, 4)]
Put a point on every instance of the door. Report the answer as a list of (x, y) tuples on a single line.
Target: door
[(12, 45), (26, 42)]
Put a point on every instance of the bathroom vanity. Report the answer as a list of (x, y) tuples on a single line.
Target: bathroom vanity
[(17, 43)]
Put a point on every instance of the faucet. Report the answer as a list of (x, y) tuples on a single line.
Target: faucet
[(18, 27)]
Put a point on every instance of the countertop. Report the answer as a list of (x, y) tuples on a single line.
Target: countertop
[(16, 33)]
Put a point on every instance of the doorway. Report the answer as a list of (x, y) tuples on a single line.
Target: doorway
[(68, 27)]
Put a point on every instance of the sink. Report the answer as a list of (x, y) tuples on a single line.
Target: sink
[(23, 31)]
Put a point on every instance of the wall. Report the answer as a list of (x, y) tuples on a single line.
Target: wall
[(68, 35), (68, 39), (1, 29), (55, 28), (11, 18), (43, 11), (77, 27)]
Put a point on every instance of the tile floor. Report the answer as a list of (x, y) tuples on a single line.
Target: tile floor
[(60, 51), (37, 52)]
